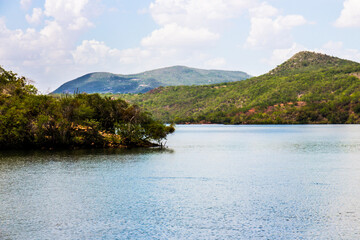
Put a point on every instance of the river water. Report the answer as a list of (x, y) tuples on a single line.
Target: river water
[(213, 182)]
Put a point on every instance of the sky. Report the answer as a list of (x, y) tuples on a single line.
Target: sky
[(53, 41)]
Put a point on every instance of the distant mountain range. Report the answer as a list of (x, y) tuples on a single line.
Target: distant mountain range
[(103, 82), (308, 88)]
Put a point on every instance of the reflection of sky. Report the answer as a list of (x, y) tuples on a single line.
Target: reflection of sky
[(214, 182)]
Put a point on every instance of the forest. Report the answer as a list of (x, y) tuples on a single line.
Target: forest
[(31, 120)]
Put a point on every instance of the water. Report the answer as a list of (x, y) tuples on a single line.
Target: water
[(214, 182)]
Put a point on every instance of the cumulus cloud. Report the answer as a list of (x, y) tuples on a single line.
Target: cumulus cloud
[(187, 30), (92, 52), (188, 24), (215, 63), (339, 50), (25, 4), (350, 15), (280, 55), (331, 48), (198, 13), (50, 54), (69, 13), (36, 16), (97, 55), (28, 44), (173, 35), (264, 10), (45, 52), (269, 29)]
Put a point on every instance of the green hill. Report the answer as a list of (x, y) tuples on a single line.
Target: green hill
[(310, 62), (102, 82), (308, 88)]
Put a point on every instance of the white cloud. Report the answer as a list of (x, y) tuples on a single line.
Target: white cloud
[(25, 4), (197, 13), (350, 15), (135, 56), (337, 49), (172, 35), (36, 16), (51, 55), (332, 48), (95, 54), (264, 10), (282, 54), (71, 14), (186, 25), (187, 29), (45, 53), (269, 29), (215, 63), (80, 23), (92, 52)]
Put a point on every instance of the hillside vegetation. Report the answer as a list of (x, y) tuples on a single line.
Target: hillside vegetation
[(102, 82), (308, 88), (28, 120)]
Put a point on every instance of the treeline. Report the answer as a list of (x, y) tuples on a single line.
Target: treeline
[(334, 112), (28, 120)]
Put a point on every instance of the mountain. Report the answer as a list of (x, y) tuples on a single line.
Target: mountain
[(308, 88), (306, 61), (101, 82)]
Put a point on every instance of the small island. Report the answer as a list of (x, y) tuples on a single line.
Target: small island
[(30, 120)]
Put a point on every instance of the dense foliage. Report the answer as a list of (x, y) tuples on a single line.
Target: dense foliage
[(102, 82), (28, 120), (308, 88)]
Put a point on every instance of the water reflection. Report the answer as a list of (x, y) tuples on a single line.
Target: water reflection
[(324, 147), (36, 154)]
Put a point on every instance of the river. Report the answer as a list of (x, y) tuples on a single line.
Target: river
[(212, 182)]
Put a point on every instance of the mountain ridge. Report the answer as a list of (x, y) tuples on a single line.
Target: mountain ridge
[(105, 82)]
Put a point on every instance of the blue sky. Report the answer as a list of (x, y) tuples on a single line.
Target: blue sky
[(53, 41)]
